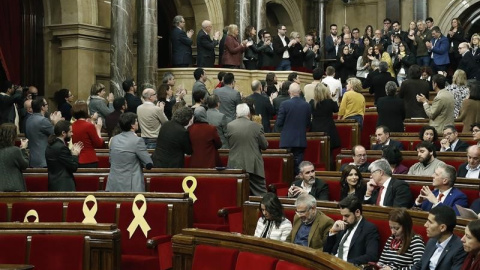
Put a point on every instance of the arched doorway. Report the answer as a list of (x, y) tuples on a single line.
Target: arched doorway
[(471, 20), (166, 12)]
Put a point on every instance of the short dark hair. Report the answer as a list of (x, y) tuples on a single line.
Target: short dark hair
[(331, 25), (270, 78), (198, 95), (220, 75), (266, 32), (212, 101), (61, 126), (292, 76), (445, 215), (274, 207), (425, 128), (228, 78), (351, 203), (118, 102), (439, 80), (414, 72), (126, 120), (285, 87), (127, 84), (183, 115), (37, 104), (436, 29), (317, 74), (5, 86), (452, 127), (198, 73), (396, 22), (392, 155), (384, 128), (429, 19), (427, 145), (330, 71), (474, 125), (279, 26), (387, 20), (260, 33)]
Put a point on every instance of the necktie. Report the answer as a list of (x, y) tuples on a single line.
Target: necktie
[(340, 246), (440, 196), (379, 197)]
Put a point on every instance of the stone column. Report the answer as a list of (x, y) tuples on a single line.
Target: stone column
[(321, 24), (259, 9), (147, 51), (242, 16), (121, 45)]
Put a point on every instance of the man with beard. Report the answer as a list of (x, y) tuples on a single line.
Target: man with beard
[(383, 190), (427, 160), (444, 193), (310, 226), (444, 250), (353, 239), (308, 184)]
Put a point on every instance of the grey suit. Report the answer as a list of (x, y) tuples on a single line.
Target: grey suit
[(246, 139), (451, 258), (127, 155), (37, 132), (200, 86), (219, 120), (229, 99), (97, 105)]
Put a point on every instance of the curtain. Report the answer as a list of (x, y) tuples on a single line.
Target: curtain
[(10, 38)]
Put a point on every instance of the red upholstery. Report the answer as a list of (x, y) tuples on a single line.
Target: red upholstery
[(57, 252), (284, 265), (135, 254), (273, 143), (105, 212), (334, 216), (103, 161), (383, 230), (345, 133), (334, 189), (36, 183), (369, 125), (472, 194), (87, 183), (47, 211), (420, 230), (251, 261), (290, 214), (415, 190), (3, 212), (313, 154), (12, 248), (210, 257), (273, 170)]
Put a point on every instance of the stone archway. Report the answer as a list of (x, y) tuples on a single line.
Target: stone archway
[(454, 9), (208, 10), (293, 11)]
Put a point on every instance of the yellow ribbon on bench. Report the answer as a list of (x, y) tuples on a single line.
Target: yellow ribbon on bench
[(138, 219), (190, 189), (33, 213), (90, 213)]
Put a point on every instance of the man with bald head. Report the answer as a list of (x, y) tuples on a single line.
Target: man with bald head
[(471, 168), (263, 105), (294, 118), (151, 117), (27, 105), (206, 46), (468, 62)]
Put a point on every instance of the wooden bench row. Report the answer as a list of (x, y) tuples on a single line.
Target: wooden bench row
[(411, 139)]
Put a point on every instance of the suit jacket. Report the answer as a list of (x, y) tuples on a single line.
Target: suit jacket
[(440, 51), (173, 143), (246, 139), (61, 166), (205, 49), (462, 170), (377, 85), (181, 47), (469, 65), (451, 258), (454, 197), (362, 168), (264, 108), (38, 128), (393, 143), (391, 113), (200, 86), (441, 110), (311, 59), (133, 102), (7, 107), (319, 189), (469, 113), (294, 116), (318, 232), (279, 48), (229, 99), (219, 120), (111, 121), (461, 146), (330, 52), (267, 56), (364, 244), (398, 194), (409, 89), (128, 154), (205, 142)]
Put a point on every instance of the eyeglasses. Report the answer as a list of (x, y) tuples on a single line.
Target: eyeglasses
[(447, 134), (300, 213), (375, 171)]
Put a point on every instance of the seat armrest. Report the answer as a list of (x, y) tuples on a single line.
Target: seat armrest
[(224, 212), (276, 186), (153, 242)]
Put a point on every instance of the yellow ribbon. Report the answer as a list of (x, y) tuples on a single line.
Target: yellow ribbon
[(90, 213), (138, 219), (32, 213), (190, 189)]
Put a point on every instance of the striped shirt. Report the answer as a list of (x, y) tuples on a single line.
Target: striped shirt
[(403, 261), (274, 233)]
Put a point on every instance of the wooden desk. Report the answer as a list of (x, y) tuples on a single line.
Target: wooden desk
[(15, 267)]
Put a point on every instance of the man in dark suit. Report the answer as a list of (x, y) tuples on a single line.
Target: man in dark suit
[(359, 155), (308, 183), (281, 44), (468, 62), (377, 83), (206, 46), (111, 121), (332, 43), (312, 53), (440, 224), (263, 105), (310, 226), (397, 30), (9, 97), (412, 87), (451, 142), (62, 162), (383, 139), (383, 190), (267, 55), (181, 43), (444, 193), (229, 97), (471, 168), (359, 247), (133, 101), (294, 116)]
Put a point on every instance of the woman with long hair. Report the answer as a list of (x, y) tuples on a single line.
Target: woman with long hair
[(471, 245), (364, 62), (346, 64), (459, 89), (403, 248), (165, 95), (470, 109), (402, 62), (455, 36), (385, 57), (272, 224), (368, 32), (323, 108), (64, 99), (394, 157), (351, 182), (251, 53), (13, 160)]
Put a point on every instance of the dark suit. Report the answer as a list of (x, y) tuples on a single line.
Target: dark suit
[(200, 86), (362, 168), (391, 113), (461, 146), (279, 48), (454, 197), (111, 121), (311, 59), (61, 166), (7, 107), (393, 143), (133, 102), (319, 189), (267, 57), (181, 48), (397, 195), (451, 258), (318, 232), (264, 108), (173, 143), (330, 50), (469, 65), (409, 89), (364, 244), (205, 50), (377, 85), (462, 170), (279, 100), (294, 118)]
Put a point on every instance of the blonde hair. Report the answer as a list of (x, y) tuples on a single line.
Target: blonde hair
[(320, 93), (96, 88), (477, 36), (459, 77), (231, 28), (356, 84), (294, 34)]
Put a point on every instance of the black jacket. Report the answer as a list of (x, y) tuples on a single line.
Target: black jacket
[(319, 189), (173, 143), (398, 195), (61, 166), (205, 50)]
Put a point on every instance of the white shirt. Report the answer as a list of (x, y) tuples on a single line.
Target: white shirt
[(452, 146), (286, 55), (334, 85), (384, 191), (445, 194), (438, 252), (346, 244), (472, 172)]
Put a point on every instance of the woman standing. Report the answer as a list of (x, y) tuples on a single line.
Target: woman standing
[(368, 32), (296, 51), (232, 55), (205, 142), (385, 57), (64, 99), (402, 62), (470, 110), (251, 53), (353, 102), (13, 160), (272, 224), (165, 95), (471, 245), (351, 182), (455, 37), (474, 44), (97, 102), (459, 90), (364, 63), (346, 64), (323, 108)]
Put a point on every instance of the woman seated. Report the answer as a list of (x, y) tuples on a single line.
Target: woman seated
[(394, 158), (471, 245), (429, 133), (352, 183), (272, 224), (404, 248)]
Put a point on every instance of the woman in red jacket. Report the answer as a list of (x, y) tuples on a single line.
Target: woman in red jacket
[(205, 142), (233, 53), (88, 132)]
